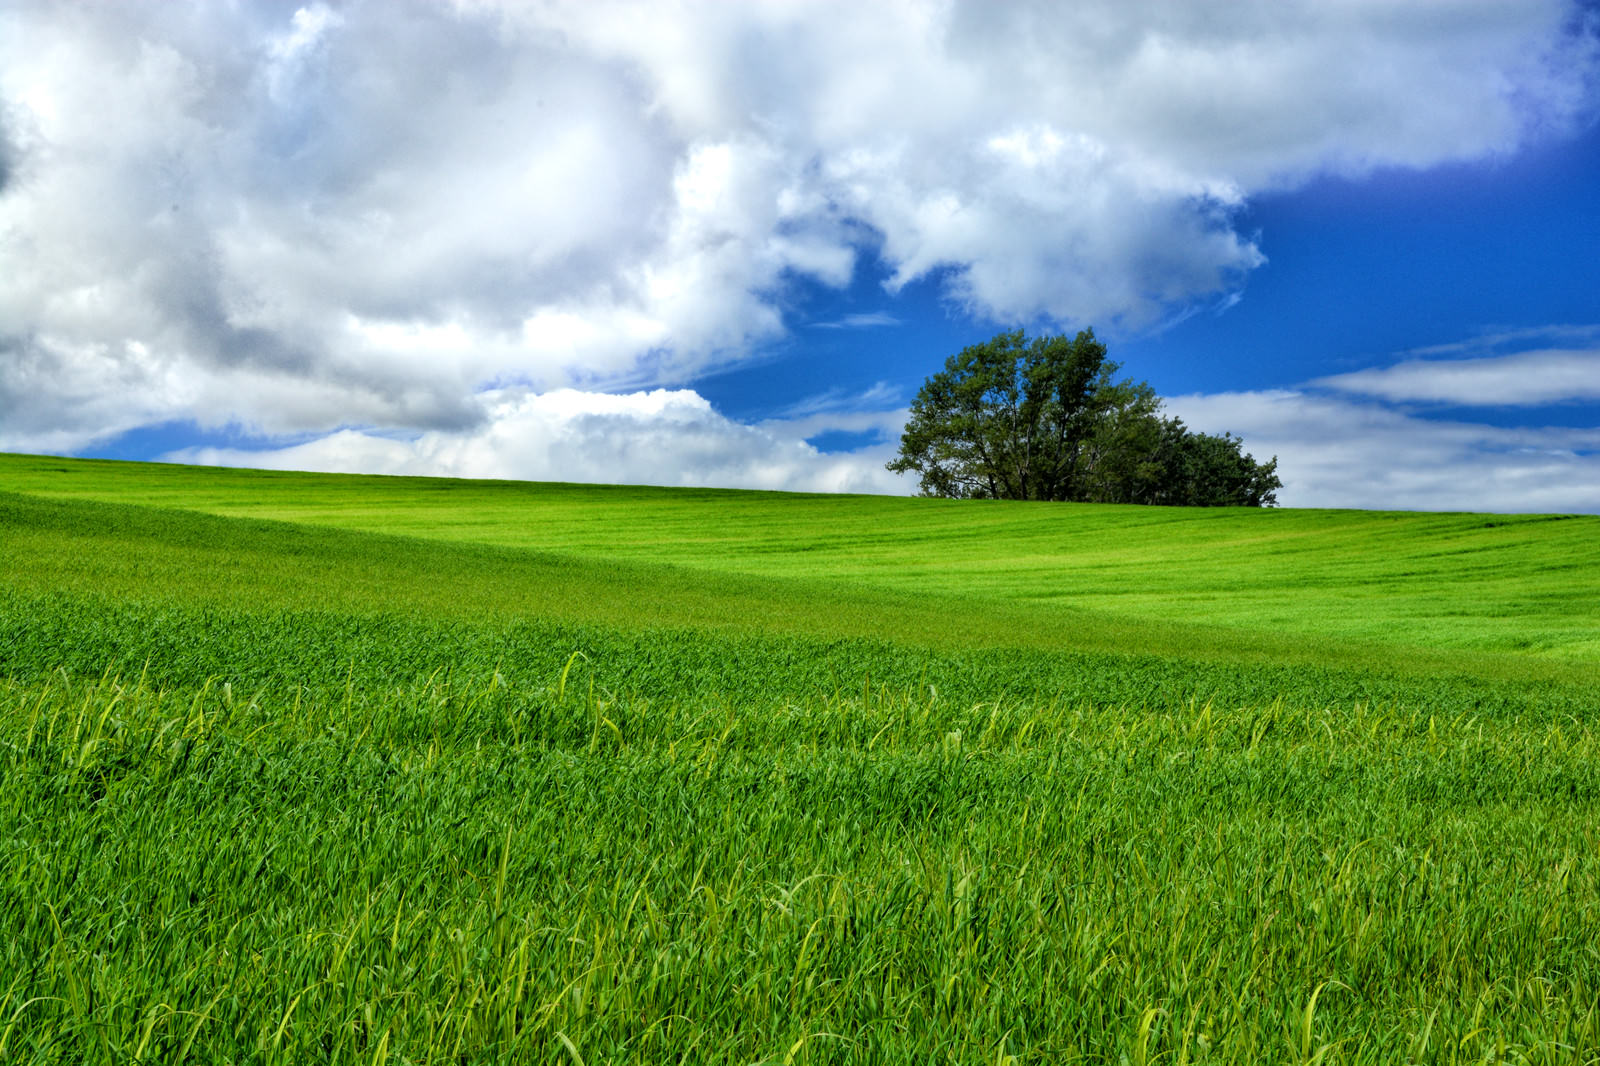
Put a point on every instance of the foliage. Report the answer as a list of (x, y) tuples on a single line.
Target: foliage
[(1048, 419), (1204, 470)]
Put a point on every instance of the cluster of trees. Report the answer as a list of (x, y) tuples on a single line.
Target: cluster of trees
[(1047, 419)]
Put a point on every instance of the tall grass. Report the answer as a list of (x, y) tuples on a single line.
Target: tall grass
[(465, 870), (276, 793)]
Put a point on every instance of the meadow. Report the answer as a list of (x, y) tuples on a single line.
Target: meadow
[(349, 769)]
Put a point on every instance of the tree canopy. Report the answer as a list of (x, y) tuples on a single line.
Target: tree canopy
[(1048, 419)]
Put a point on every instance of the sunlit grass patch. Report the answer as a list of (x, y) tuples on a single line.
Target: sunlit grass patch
[(1523, 584)]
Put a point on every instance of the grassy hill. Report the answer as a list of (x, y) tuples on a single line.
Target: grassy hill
[(305, 767), (1505, 583)]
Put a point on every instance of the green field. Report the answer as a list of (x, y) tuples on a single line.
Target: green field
[(318, 768)]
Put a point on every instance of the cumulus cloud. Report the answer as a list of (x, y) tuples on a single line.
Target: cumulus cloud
[(1530, 378), (1337, 447), (1367, 447), (370, 214), (7, 162), (660, 437)]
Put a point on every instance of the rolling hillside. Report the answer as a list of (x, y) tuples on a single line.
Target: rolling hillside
[(318, 768), (1525, 584)]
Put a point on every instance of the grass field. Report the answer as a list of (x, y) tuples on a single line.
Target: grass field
[(305, 768), (1492, 582)]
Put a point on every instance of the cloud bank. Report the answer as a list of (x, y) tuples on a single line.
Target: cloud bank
[(1335, 452), (660, 437), (394, 215), (1336, 446), (1372, 439)]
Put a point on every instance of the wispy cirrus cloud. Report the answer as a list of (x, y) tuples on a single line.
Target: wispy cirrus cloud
[(868, 320), (1521, 379), (881, 396), (1490, 341)]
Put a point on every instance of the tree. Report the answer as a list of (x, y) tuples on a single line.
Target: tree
[(1204, 470), (1047, 419)]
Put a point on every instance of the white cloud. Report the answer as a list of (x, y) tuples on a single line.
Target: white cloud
[(1365, 440), (660, 437), (1335, 451), (1335, 448), (1530, 378), (366, 214), (867, 320), (1528, 337)]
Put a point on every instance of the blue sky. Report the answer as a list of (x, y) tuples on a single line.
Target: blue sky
[(700, 244), (1358, 274)]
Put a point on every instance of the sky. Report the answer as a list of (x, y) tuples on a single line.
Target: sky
[(724, 244)]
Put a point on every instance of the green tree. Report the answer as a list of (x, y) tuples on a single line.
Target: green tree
[(1048, 419), (1205, 470)]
